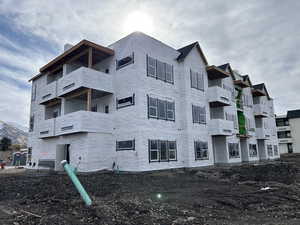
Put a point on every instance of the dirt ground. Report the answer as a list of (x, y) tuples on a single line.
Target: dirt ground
[(267, 193)]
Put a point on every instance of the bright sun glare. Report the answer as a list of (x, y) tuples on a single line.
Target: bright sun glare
[(138, 21)]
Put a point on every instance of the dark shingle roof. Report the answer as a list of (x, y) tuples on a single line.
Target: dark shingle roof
[(184, 51), (259, 86), (224, 66), (293, 114)]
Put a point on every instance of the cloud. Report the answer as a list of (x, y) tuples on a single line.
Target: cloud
[(259, 38)]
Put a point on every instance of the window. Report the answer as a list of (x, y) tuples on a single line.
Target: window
[(199, 114), (270, 150), (106, 109), (125, 145), (252, 150), (232, 117), (201, 150), (125, 61), (31, 123), (162, 151), (276, 150), (197, 80), (161, 109), (29, 155), (160, 70), (124, 102), (33, 92), (233, 150)]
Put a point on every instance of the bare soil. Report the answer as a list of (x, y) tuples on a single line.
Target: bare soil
[(265, 193)]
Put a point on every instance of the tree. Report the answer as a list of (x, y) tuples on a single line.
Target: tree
[(5, 144)]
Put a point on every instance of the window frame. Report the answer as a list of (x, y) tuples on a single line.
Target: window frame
[(118, 149), (235, 149), (167, 70), (198, 142), (126, 64), (158, 149), (124, 106), (251, 147), (157, 108), (31, 123), (33, 92), (196, 116), (196, 77)]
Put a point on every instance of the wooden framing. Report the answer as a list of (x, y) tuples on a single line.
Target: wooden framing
[(90, 60), (214, 72), (89, 99), (241, 83), (76, 94)]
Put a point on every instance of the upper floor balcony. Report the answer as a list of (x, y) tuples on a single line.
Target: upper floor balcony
[(84, 77), (260, 110), (218, 96), (262, 133), (221, 127)]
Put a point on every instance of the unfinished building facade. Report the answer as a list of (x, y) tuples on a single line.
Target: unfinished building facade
[(141, 105)]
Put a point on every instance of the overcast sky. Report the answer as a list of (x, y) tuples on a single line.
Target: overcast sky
[(259, 38)]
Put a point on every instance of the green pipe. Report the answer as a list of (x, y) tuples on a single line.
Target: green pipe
[(70, 171)]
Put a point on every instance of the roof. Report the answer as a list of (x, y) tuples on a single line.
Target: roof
[(262, 87), (184, 51), (293, 114), (79, 47)]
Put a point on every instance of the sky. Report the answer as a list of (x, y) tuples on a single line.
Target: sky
[(258, 38)]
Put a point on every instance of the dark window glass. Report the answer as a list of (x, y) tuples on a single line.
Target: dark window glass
[(125, 61), (160, 70), (161, 109), (124, 102), (160, 150), (125, 145), (201, 150), (233, 149)]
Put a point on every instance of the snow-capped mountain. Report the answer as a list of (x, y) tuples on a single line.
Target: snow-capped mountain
[(18, 134)]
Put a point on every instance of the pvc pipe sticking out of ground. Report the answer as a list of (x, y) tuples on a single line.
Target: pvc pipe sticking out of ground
[(70, 171)]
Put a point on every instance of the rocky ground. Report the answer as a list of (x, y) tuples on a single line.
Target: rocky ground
[(267, 193)]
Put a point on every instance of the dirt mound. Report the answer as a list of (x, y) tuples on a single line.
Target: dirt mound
[(248, 194)]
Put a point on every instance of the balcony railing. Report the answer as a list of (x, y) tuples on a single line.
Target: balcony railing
[(221, 127), (260, 110), (85, 77), (262, 133), (76, 122), (47, 92), (285, 140), (218, 96), (284, 128)]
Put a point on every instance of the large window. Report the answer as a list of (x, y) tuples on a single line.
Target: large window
[(276, 150), (124, 102), (252, 150), (160, 70), (161, 109), (199, 114), (125, 145), (201, 150), (125, 61), (233, 149), (270, 150), (162, 151), (197, 80)]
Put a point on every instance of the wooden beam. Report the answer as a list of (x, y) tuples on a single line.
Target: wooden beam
[(77, 56), (89, 99), (90, 60)]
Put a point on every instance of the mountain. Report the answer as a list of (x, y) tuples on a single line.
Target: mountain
[(15, 132)]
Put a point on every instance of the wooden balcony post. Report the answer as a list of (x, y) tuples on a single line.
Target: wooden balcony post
[(90, 60), (89, 99)]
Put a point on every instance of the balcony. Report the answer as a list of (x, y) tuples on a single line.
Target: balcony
[(262, 133), (83, 121), (46, 128), (48, 92), (260, 110), (284, 128), (285, 140), (218, 96), (87, 78), (221, 127)]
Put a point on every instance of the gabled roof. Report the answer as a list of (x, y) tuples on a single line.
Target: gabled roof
[(225, 67), (247, 79), (293, 114), (262, 87), (184, 51)]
